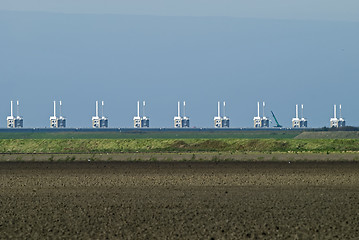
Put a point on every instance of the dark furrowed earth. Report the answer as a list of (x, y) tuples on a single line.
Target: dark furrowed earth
[(179, 200)]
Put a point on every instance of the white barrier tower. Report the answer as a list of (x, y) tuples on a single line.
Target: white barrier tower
[(96, 118), (257, 120), (145, 121), (218, 119), (185, 119), (303, 121), (296, 120), (265, 121), (341, 121), (61, 121), (10, 120), (137, 119), (19, 121), (177, 120), (334, 121), (54, 119), (103, 120), (225, 119)]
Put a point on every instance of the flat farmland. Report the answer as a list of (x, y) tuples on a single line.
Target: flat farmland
[(179, 200)]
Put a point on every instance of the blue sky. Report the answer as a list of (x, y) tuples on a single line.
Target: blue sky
[(345, 10), (284, 53)]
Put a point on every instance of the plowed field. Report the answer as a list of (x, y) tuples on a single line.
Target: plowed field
[(182, 200)]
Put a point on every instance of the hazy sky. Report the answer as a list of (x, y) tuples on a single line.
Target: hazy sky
[(165, 51), (346, 10)]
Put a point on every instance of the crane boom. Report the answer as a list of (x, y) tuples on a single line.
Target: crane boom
[(275, 119)]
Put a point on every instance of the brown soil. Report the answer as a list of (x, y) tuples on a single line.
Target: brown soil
[(182, 200), (188, 156)]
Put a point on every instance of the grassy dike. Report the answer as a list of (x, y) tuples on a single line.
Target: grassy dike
[(94, 146)]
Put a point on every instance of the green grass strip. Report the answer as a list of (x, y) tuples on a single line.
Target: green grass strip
[(176, 145)]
